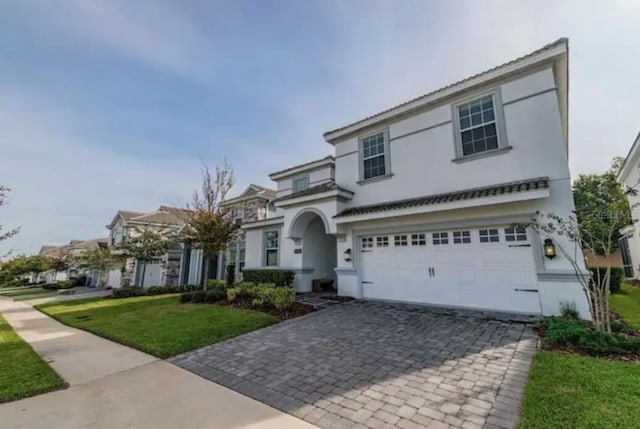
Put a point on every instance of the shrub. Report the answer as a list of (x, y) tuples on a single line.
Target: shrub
[(65, 284), (127, 292), (230, 276), (157, 290), (191, 288), (283, 298), (578, 335), (278, 277), (185, 297), (216, 284), (617, 275), (568, 310), (51, 286), (79, 281), (198, 296), (232, 294), (215, 295)]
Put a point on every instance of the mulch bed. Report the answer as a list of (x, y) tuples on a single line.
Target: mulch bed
[(297, 310)]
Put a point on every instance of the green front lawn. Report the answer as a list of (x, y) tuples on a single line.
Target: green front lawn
[(19, 292), (158, 325), (568, 391), (627, 304), (22, 372)]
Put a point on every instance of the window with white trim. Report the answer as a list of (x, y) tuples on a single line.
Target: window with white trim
[(382, 241), (489, 236), (477, 125), (367, 242), (516, 233), (461, 237), (374, 156), (419, 239), (271, 242), (400, 240), (300, 183), (440, 238)]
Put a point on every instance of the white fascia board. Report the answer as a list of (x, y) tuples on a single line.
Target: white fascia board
[(333, 137), (431, 208), (262, 223), (321, 196), (301, 169)]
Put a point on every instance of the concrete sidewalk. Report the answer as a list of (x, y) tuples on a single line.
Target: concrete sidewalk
[(115, 386)]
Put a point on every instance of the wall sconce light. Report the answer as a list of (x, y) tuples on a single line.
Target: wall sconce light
[(347, 255), (549, 249)]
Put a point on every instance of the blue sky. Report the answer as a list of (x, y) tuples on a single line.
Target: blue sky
[(108, 105)]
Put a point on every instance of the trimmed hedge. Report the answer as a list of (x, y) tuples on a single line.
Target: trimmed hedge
[(213, 284), (277, 277), (263, 295), (128, 292), (617, 275)]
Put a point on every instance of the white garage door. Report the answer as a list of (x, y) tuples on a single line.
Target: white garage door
[(488, 268)]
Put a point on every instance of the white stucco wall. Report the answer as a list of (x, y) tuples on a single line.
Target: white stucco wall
[(421, 163), (317, 176)]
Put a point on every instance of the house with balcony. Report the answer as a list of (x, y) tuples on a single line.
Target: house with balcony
[(428, 201)]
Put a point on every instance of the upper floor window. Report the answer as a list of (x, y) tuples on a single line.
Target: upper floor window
[(479, 125), (300, 183), (374, 156), (271, 248)]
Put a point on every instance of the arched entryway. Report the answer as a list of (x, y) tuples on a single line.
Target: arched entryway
[(318, 247)]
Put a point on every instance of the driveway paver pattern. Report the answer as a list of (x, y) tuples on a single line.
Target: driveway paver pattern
[(378, 365)]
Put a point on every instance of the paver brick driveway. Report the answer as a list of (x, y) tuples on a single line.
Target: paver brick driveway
[(375, 365)]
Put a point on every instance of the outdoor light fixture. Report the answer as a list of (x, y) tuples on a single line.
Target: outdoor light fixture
[(549, 249), (347, 255)]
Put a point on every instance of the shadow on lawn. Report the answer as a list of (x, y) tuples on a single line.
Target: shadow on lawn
[(374, 363)]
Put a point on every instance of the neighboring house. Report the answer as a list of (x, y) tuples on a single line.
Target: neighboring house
[(52, 276), (253, 204), (629, 177), (419, 202), (163, 271), (77, 247)]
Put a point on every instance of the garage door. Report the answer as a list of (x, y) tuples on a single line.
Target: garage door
[(487, 268)]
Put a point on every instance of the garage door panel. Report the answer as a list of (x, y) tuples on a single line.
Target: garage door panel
[(495, 275)]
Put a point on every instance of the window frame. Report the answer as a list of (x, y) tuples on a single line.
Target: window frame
[(441, 239), (419, 239), (498, 112), (304, 177), (489, 235), (463, 234), (382, 241), (367, 242), (266, 249), (386, 154), (400, 240), (515, 235)]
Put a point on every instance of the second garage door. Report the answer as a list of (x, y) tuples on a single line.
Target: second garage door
[(487, 268)]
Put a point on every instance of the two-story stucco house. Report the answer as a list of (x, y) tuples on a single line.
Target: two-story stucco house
[(419, 203), (629, 177)]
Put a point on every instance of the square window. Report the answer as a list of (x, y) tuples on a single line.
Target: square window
[(419, 239), (367, 242), (382, 241), (300, 183), (489, 236), (440, 238), (400, 240), (460, 237), (477, 126), (517, 233)]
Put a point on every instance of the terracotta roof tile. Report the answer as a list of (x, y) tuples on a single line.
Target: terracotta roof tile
[(468, 194)]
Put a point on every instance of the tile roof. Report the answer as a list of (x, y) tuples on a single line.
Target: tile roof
[(468, 194), (126, 214), (329, 157), (558, 42), (318, 189)]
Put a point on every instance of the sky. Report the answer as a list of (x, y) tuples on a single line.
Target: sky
[(115, 104)]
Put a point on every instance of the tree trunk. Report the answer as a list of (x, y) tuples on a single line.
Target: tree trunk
[(144, 269)]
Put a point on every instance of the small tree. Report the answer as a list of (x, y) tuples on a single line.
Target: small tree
[(58, 262), (210, 226), (146, 246), (4, 193), (100, 259)]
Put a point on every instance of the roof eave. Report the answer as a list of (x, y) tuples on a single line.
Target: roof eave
[(302, 168), (558, 50)]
